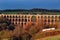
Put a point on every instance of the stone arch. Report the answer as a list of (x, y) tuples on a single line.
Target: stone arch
[(33, 19)]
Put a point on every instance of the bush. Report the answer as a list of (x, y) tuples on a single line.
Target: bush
[(34, 30), (11, 27), (26, 36)]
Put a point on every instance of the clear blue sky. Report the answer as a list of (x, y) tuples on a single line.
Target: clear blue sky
[(28, 4)]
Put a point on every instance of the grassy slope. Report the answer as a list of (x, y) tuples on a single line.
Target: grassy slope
[(57, 37), (39, 35)]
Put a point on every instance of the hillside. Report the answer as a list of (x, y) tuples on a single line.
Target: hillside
[(29, 11)]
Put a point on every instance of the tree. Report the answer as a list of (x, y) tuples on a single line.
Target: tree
[(5, 27), (11, 27)]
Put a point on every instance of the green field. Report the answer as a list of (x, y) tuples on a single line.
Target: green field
[(57, 37)]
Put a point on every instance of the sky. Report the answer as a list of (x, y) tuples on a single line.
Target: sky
[(29, 4)]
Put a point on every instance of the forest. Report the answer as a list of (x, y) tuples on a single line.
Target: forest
[(30, 10)]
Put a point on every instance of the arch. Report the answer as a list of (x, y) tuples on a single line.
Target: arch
[(33, 18)]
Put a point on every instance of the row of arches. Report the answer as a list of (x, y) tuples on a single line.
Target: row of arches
[(32, 18)]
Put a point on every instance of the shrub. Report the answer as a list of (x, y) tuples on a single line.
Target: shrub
[(33, 30)]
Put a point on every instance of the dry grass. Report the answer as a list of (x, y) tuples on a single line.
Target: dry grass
[(46, 34)]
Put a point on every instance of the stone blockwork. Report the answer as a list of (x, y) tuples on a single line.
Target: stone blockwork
[(34, 20)]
